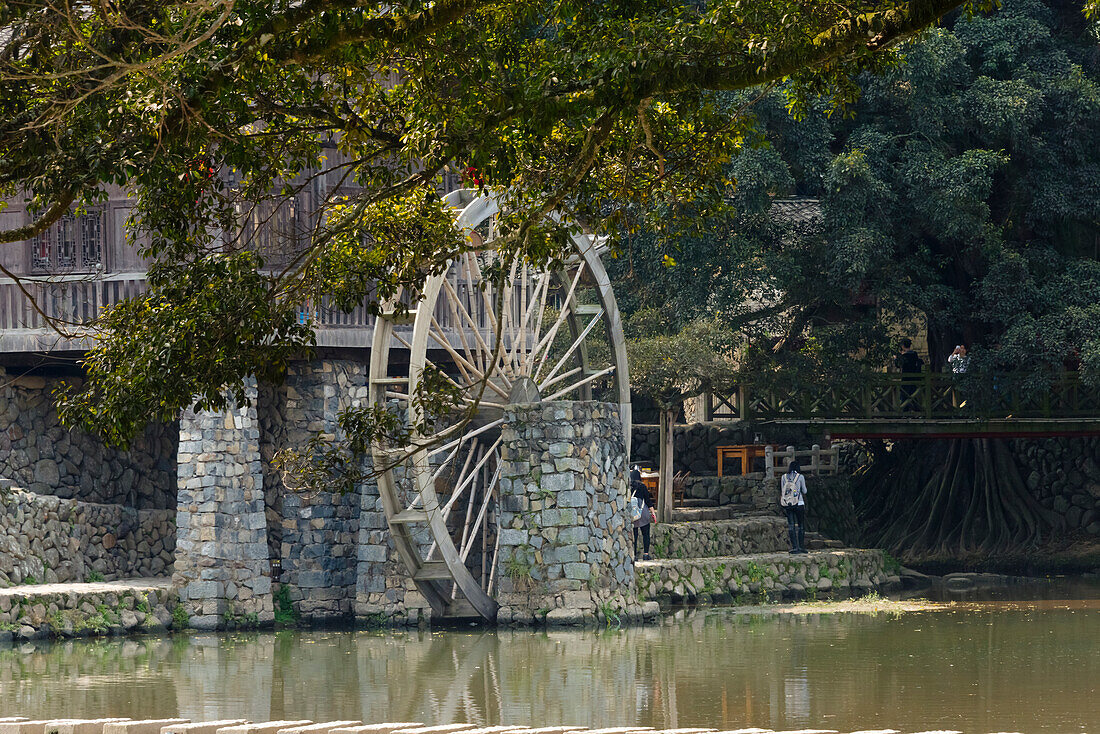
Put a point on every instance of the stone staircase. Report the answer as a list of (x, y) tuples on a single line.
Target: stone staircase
[(734, 552)]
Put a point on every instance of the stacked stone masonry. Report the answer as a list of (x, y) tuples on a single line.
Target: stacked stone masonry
[(74, 610), (43, 456), (1064, 475), (223, 568), (741, 536), (313, 533), (767, 574), (47, 539), (565, 545)]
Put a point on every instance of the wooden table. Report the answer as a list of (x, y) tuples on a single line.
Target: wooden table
[(743, 453)]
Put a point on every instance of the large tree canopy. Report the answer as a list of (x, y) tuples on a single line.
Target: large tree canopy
[(961, 193), (198, 106)]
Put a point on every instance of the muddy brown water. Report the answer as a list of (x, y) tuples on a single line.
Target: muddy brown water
[(983, 666)]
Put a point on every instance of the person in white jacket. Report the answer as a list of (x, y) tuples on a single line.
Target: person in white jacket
[(792, 498)]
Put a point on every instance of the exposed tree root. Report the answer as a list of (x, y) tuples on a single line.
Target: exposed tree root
[(929, 500)]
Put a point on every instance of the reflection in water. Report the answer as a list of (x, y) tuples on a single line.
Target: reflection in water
[(980, 668)]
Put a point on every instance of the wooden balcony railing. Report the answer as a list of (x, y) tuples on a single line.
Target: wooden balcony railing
[(928, 395), (71, 301)]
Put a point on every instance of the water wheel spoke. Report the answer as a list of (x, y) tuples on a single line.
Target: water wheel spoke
[(488, 494), (563, 376), (521, 335), (581, 383), (547, 342), (569, 351)]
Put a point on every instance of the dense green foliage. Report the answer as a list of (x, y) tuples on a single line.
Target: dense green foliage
[(961, 193), (204, 110)]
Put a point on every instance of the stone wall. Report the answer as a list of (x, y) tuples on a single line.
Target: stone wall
[(383, 588), (1064, 475), (48, 539), (316, 532), (729, 490), (223, 569), (90, 609), (716, 538), (565, 547), (765, 575), (38, 453)]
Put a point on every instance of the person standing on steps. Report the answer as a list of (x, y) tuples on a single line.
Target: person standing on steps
[(792, 498), (641, 508)]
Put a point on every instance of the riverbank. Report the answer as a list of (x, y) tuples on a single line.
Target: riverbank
[(1063, 555)]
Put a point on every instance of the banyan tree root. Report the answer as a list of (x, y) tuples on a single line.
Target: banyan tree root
[(927, 500)]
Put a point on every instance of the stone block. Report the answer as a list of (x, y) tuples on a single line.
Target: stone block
[(575, 535), (578, 571), (383, 728), (510, 537), (557, 482), (564, 617), (144, 726), (201, 727), (572, 498), (265, 727), (322, 728), (202, 590)]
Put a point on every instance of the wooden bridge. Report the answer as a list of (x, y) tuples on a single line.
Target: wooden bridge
[(928, 405)]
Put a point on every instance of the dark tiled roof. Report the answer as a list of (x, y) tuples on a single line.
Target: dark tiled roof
[(797, 210)]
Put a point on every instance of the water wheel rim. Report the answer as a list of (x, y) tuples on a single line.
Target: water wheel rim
[(585, 257)]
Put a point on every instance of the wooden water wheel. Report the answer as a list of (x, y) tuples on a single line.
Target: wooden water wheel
[(544, 335)]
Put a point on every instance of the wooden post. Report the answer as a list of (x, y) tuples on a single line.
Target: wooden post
[(815, 459), (708, 406), (664, 481), (926, 399), (742, 402)]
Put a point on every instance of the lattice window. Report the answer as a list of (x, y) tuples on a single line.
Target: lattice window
[(66, 243), (42, 250), (73, 243), (91, 240)]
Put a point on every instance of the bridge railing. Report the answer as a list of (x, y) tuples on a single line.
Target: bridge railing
[(928, 395)]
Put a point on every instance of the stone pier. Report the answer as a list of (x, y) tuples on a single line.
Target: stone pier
[(222, 570), (565, 542)]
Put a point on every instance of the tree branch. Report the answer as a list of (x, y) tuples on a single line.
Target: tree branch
[(40, 225), (393, 29)]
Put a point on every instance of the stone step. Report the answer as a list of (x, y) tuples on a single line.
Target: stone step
[(262, 727), (691, 503), (141, 726), (201, 727), (81, 726), (383, 728), (763, 573), (322, 728), (696, 514), (719, 538)]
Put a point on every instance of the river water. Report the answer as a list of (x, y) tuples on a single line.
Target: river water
[(979, 667)]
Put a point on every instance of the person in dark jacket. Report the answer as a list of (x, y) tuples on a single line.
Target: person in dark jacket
[(910, 363), (639, 492)]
